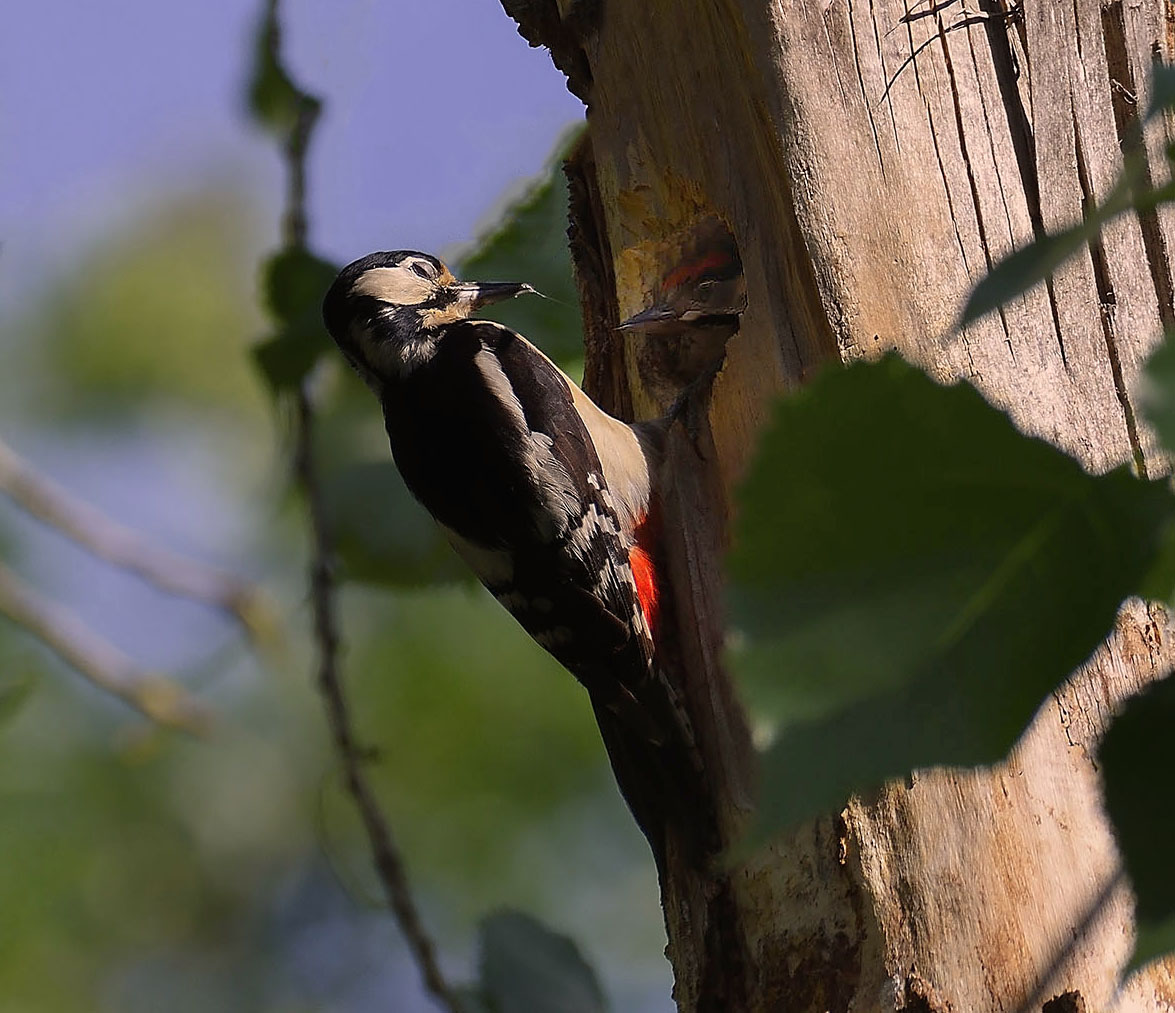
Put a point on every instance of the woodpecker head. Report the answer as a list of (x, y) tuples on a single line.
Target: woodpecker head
[(386, 311)]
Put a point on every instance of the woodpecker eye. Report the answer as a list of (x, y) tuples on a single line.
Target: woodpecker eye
[(422, 270)]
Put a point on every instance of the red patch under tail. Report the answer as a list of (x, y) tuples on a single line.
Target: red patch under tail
[(645, 574)]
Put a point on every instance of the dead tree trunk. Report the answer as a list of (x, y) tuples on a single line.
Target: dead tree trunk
[(872, 161)]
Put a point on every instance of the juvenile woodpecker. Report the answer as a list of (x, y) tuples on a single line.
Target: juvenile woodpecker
[(545, 496)]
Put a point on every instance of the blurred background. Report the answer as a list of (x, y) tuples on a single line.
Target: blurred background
[(143, 869)]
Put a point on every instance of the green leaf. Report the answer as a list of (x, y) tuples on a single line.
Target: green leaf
[(1032, 264), (97, 331), (275, 101), (16, 689), (286, 357), (1025, 268), (293, 282), (1158, 405), (1158, 393), (911, 576), (529, 243), (527, 968), (1137, 758), (1162, 89), (382, 535)]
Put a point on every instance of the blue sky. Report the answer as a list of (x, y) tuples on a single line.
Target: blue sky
[(433, 110)]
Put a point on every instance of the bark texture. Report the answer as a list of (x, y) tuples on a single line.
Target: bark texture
[(873, 159)]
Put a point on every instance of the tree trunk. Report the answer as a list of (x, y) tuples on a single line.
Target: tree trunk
[(872, 161)]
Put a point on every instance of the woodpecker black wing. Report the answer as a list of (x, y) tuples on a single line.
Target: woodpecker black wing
[(487, 436), (593, 550)]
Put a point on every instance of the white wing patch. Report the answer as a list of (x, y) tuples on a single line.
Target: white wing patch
[(621, 453), (558, 500), (592, 524)]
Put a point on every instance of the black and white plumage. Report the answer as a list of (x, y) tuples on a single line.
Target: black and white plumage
[(544, 495)]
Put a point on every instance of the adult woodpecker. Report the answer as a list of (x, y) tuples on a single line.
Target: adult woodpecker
[(546, 497)]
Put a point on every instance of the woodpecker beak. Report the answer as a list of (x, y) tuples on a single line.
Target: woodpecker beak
[(482, 293)]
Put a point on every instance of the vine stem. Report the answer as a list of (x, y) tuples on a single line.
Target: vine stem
[(388, 861)]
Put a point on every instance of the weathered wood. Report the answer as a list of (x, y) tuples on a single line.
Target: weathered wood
[(873, 159)]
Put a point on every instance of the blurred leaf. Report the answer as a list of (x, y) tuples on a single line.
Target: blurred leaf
[(1158, 393), (460, 701), (1025, 268), (286, 357), (382, 534), (294, 282), (529, 243), (275, 101), (1137, 758), (1162, 89), (155, 313), (15, 690), (527, 968), (911, 576)]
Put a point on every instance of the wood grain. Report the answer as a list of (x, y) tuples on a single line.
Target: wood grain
[(873, 158)]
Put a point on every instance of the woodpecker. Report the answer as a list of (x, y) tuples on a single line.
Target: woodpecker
[(547, 498)]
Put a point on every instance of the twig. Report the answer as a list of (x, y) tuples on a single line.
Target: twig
[(126, 548), (153, 695), (389, 863)]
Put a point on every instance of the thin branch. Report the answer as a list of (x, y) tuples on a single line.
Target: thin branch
[(389, 863), (128, 549), (153, 695)]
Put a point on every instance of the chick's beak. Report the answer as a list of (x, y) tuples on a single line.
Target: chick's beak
[(658, 314)]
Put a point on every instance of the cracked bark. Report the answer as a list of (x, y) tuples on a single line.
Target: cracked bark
[(861, 229)]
